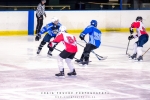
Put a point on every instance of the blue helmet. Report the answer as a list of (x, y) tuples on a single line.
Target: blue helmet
[(94, 23)]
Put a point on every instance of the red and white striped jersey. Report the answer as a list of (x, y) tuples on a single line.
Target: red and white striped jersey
[(68, 40), (139, 28)]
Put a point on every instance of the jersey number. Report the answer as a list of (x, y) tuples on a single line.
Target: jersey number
[(70, 40)]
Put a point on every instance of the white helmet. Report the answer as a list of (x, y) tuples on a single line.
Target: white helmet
[(62, 29), (55, 19)]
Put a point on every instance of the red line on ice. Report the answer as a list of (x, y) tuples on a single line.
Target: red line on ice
[(13, 66)]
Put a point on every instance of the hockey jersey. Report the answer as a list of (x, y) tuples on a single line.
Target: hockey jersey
[(51, 28), (94, 35), (139, 28), (68, 40)]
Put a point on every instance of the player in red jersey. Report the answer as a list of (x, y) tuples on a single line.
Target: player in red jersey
[(142, 38), (68, 54)]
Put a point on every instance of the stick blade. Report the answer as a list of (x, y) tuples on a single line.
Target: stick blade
[(102, 58)]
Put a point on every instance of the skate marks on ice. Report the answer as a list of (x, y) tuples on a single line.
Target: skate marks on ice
[(115, 84), (120, 78)]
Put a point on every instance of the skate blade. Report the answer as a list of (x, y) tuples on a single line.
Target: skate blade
[(49, 56), (138, 60), (61, 77), (76, 62), (132, 59), (72, 76), (82, 65), (85, 65)]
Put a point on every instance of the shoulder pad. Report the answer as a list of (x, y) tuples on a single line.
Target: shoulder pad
[(59, 24), (89, 26)]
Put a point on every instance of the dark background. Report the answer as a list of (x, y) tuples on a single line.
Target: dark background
[(35, 2), (74, 4)]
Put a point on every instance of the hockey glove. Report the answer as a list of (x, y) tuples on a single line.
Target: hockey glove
[(130, 37), (82, 37), (131, 30), (38, 37), (52, 44)]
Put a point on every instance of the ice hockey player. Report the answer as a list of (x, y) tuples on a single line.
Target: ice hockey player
[(142, 38), (68, 54), (52, 29), (94, 41)]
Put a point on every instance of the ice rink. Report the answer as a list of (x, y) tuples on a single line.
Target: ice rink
[(24, 75)]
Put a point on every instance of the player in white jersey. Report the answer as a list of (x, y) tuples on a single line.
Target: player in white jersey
[(142, 38), (68, 54)]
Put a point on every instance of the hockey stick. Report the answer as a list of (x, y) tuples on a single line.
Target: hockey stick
[(98, 56), (128, 44), (127, 47), (145, 52), (61, 51)]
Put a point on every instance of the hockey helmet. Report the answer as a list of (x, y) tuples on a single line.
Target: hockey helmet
[(62, 29), (55, 20), (139, 18), (94, 23)]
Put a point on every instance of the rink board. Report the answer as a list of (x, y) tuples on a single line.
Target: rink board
[(21, 23)]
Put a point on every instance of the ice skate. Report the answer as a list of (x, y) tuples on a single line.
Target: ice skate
[(85, 63), (39, 50), (49, 54), (78, 61), (61, 74), (72, 73), (140, 58), (133, 56)]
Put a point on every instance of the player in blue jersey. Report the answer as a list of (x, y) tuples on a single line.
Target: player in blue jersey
[(94, 41), (52, 29)]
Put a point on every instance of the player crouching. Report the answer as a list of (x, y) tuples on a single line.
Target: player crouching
[(142, 38), (68, 54), (52, 30), (94, 41)]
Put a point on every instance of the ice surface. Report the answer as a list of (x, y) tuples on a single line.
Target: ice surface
[(24, 75)]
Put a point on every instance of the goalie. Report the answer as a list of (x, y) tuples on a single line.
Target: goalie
[(52, 29)]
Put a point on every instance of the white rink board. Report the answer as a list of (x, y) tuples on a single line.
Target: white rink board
[(75, 20), (106, 19), (13, 20)]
